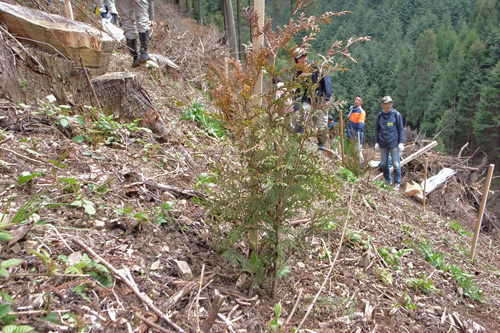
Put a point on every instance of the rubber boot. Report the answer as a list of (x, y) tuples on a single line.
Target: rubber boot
[(322, 137), (144, 38), (132, 47), (299, 129), (321, 141)]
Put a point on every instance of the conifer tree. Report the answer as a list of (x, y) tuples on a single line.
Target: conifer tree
[(421, 82), (486, 121)]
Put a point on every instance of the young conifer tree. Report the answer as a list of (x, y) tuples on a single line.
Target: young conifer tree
[(278, 177)]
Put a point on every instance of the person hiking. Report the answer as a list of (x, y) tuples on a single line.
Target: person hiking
[(356, 125), (309, 76), (389, 138), (134, 16)]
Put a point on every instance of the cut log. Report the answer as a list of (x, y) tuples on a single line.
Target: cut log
[(58, 34), (122, 95)]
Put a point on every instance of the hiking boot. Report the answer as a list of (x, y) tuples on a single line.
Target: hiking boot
[(144, 38), (388, 182), (396, 186), (321, 146)]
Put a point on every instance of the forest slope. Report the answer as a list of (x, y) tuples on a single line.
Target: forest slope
[(388, 266)]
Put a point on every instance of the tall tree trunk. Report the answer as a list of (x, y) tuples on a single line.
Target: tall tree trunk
[(257, 46), (188, 7), (200, 14), (238, 9), (231, 29), (226, 33), (250, 23)]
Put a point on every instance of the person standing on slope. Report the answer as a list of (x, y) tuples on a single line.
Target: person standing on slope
[(134, 16), (389, 138), (311, 104)]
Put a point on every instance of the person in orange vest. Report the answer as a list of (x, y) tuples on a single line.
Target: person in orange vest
[(356, 126)]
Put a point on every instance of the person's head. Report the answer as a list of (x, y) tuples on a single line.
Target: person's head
[(358, 101), (387, 103), (330, 119), (274, 80), (300, 57)]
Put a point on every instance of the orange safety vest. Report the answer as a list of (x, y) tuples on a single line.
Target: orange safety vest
[(358, 117)]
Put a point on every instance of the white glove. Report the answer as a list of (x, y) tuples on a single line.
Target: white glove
[(401, 147), (377, 146)]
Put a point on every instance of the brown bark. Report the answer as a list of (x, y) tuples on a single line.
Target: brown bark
[(122, 95)]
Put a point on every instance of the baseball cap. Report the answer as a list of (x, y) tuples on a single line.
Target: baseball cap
[(299, 52), (386, 99)]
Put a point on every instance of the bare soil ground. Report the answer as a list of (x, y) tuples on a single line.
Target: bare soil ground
[(393, 266)]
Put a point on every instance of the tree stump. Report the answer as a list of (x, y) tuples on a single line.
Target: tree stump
[(122, 95), (29, 74)]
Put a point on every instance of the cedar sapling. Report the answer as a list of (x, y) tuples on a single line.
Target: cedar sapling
[(277, 177)]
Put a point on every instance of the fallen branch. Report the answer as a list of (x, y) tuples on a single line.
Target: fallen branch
[(5, 140), (144, 299), (90, 83), (176, 191), (183, 292), (209, 322), (24, 157), (35, 60), (294, 307), (151, 324)]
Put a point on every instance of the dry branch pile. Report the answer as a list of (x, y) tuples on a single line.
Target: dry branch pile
[(460, 196)]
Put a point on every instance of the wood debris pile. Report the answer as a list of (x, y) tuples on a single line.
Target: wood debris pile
[(460, 196)]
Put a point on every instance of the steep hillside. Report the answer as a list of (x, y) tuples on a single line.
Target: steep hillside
[(104, 229)]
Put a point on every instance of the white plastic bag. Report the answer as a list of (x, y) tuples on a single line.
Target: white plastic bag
[(112, 30)]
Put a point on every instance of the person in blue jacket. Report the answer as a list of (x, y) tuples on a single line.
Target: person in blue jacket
[(308, 103), (389, 138)]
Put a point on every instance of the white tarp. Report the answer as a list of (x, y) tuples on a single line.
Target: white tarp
[(438, 179)]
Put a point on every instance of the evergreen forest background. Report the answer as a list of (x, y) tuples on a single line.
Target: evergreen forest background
[(438, 59)]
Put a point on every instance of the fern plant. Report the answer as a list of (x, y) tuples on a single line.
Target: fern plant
[(276, 177)]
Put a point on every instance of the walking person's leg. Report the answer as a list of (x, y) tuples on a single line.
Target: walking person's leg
[(384, 158), (396, 163), (302, 116), (322, 123)]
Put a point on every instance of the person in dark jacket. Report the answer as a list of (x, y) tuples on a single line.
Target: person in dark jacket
[(305, 107), (389, 138)]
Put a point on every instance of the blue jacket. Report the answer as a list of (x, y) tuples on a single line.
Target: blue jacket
[(331, 125), (324, 88), (389, 130)]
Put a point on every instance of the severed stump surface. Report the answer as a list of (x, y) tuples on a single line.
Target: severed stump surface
[(122, 95), (55, 33)]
